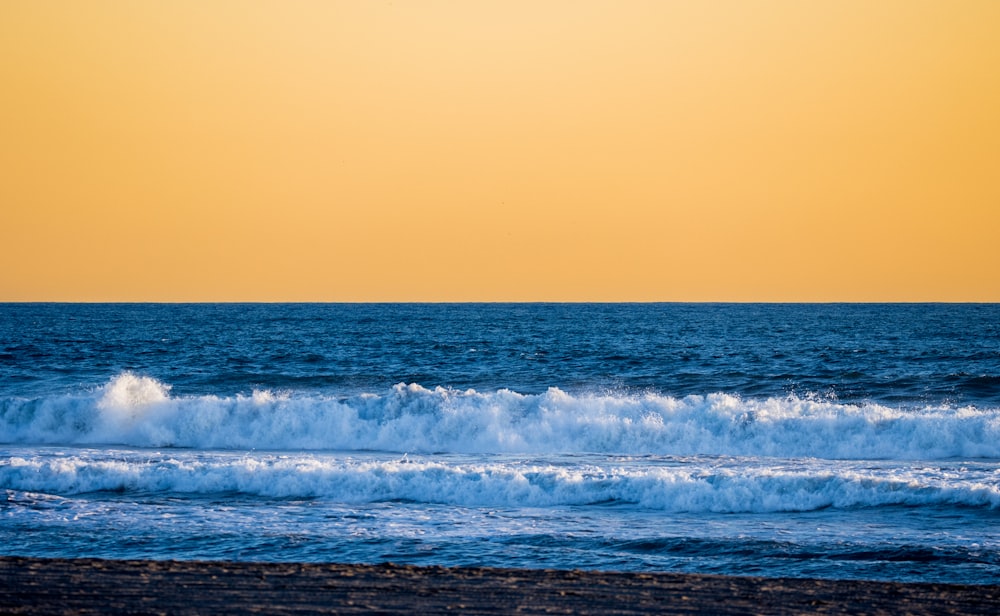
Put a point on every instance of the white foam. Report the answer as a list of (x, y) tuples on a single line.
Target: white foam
[(129, 391), (695, 486), (139, 411)]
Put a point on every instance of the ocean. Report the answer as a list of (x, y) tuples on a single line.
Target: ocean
[(840, 441)]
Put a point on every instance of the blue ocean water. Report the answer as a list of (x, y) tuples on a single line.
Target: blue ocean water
[(835, 441)]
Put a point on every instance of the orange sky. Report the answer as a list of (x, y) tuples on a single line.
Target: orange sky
[(500, 151)]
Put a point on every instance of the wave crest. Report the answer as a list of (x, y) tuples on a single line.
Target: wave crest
[(690, 485), (139, 411), (128, 391)]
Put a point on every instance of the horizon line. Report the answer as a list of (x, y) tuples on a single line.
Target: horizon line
[(499, 302)]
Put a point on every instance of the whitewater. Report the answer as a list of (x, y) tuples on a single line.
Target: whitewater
[(839, 441)]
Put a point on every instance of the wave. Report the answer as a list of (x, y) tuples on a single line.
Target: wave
[(688, 487), (140, 411)]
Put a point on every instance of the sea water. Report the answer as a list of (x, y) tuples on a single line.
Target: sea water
[(834, 441)]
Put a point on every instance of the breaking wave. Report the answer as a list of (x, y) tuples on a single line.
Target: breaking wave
[(139, 411), (691, 485)]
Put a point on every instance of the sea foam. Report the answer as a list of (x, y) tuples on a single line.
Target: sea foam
[(139, 411), (698, 485)]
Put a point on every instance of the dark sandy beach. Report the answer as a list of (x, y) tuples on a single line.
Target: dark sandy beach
[(57, 586)]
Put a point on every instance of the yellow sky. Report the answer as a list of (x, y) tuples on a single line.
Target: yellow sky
[(191, 150)]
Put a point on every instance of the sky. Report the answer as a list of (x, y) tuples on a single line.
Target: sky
[(511, 150)]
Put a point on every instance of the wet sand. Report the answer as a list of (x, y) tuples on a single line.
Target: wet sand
[(56, 586)]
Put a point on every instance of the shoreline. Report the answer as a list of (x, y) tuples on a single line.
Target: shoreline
[(94, 586)]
